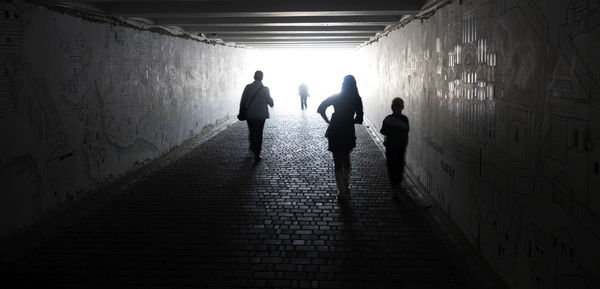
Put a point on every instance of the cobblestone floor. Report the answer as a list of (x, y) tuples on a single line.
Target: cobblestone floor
[(213, 219)]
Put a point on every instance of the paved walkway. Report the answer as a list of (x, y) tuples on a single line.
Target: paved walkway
[(213, 219)]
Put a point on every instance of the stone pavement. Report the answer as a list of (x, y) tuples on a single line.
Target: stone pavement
[(214, 219)]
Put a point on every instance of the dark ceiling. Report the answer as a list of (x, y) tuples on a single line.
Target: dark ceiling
[(267, 23)]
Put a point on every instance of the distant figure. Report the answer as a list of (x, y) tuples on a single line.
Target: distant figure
[(340, 133), (395, 129), (253, 108), (303, 92)]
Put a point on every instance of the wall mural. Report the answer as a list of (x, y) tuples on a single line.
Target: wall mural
[(504, 102), (84, 103)]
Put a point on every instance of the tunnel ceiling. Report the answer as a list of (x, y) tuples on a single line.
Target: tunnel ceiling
[(267, 23)]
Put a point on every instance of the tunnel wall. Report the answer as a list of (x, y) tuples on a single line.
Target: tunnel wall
[(504, 108), (84, 102)]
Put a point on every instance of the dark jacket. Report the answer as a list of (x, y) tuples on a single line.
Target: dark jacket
[(348, 111), (257, 108), (395, 128)]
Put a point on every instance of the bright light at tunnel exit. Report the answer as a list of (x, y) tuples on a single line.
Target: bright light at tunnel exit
[(321, 70)]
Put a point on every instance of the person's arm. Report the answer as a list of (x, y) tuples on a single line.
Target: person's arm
[(324, 116), (244, 96), (385, 129), (269, 98), (323, 108), (359, 112)]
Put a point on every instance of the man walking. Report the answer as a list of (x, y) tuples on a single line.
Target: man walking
[(303, 92), (253, 108)]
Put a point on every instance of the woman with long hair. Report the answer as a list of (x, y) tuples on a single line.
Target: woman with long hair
[(348, 111)]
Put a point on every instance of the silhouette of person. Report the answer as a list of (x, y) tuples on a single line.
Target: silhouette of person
[(340, 133), (303, 92), (395, 129), (255, 99)]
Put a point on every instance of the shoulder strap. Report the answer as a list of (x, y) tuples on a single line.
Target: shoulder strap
[(254, 97)]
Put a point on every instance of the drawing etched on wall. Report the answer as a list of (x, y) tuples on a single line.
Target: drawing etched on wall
[(505, 99), (13, 23), (96, 102)]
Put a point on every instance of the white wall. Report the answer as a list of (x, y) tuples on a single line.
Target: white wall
[(83, 102), (511, 155)]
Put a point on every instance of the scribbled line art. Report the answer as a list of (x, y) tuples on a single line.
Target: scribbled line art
[(36, 106), (21, 195), (580, 31), (121, 111), (12, 26), (561, 90), (573, 140), (24, 94), (582, 21), (493, 107), (61, 174), (501, 234), (78, 56), (95, 148), (468, 96), (34, 102), (553, 259)]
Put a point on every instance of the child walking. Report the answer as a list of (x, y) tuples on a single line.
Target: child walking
[(395, 129)]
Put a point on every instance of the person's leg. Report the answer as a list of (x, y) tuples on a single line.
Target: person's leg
[(342, 171), (347, 169), (395, 169), (339, 172), (251, 132), (390, 156), (260, 125)]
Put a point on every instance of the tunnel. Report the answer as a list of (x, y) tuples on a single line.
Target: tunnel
[(123, 163)]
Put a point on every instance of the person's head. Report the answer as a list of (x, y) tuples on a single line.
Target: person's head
[(258, 75), (397, 105), (349, 85)]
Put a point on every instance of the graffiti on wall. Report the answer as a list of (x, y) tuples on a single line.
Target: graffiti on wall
[(504, 101), (13, 23), (95, 102)]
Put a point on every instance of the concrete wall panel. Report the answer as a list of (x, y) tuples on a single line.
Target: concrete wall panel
[(82, 103), (504, 104)]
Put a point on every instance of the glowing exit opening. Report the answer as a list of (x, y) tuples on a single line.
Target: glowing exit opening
[(321, 70)]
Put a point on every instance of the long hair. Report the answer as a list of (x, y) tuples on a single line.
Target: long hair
[(349, 88)]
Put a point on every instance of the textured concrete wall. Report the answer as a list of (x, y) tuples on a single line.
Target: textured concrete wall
[(82, 103), (504, 104)]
